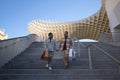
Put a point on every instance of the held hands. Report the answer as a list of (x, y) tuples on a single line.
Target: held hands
[(57, 50)]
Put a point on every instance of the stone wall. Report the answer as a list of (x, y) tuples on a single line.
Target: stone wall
[(12, 47)]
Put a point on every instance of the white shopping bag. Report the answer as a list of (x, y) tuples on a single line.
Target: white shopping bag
[(72, 54)]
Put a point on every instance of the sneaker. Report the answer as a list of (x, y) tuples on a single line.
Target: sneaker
[(50, 68), (46, 65)]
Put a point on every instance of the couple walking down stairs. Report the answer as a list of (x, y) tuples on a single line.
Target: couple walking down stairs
[(90, 64)]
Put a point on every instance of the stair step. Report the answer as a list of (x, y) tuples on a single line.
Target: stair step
[(60, 71), (59, 77), (29, 66)]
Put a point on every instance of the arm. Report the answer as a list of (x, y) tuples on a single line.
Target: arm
[(60, 44), (55, 45), (45, 44)]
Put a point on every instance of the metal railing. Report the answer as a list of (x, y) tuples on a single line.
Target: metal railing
[(89, 54), (90, 58), (115, 60), (110, 38), (74, 39), (109, 56)]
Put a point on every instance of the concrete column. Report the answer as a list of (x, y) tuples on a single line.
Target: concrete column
[(113, 12)]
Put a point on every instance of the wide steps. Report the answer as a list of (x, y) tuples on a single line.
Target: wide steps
[(60, 71), (57, 74), (57, 64), (29, 66)]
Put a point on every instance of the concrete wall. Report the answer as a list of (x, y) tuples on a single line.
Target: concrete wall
[(108, 38), (113, 12), (12, 47)]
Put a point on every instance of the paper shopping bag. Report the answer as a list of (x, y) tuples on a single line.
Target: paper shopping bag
[(43, 55), (46, 55)]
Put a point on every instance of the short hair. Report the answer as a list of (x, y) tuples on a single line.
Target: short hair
[(66, 32), (49, 34)]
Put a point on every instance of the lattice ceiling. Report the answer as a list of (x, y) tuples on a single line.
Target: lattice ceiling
[(88, 28)]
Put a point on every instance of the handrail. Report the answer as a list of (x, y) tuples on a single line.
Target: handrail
[(79, 48), (108, 55), (89, 53), (89, 56), (75, 39), (83, 45)]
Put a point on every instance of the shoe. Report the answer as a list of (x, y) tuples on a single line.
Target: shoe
[(46, 66), (50, 68)]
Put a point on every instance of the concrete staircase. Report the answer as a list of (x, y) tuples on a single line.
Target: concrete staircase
[(28, 66)]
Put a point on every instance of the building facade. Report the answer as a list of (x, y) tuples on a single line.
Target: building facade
[(3, 36), (88, 28)]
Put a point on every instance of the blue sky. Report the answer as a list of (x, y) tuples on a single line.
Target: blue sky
[(16, 14)]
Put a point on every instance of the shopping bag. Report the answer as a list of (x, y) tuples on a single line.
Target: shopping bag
[(46, 55), (43, 55), (72, 54)]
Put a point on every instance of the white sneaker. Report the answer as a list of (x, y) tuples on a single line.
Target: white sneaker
[(46, 66), (50, 68)]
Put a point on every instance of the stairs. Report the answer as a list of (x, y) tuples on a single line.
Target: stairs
[(28, 66)]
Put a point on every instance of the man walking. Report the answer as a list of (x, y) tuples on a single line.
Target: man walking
[(65, 45), (50, 46)]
